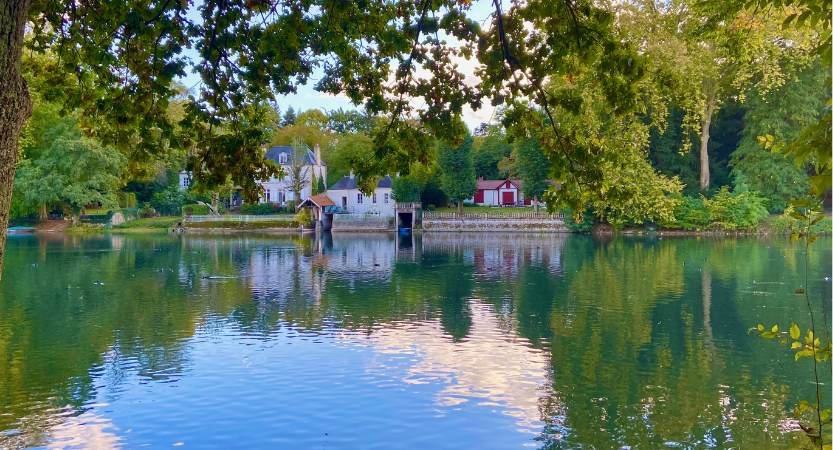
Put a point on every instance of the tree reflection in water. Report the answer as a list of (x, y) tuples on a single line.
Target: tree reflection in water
[(576, 341)]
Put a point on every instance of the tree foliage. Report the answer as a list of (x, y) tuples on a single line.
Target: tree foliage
[(534, 169), (457, 171), (778, 117), (489, 150)]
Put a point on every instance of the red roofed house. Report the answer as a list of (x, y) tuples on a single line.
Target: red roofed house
[(499, 193)]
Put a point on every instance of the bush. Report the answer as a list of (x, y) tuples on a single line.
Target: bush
[(690, 214), (194, 209), (735, 211), (787, 223), (726, 210), (259, 209), (147, 211), (169, 201), (586, 224), (304, 217)]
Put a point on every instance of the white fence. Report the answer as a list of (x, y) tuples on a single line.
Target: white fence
[(238, 218), (497, 215)]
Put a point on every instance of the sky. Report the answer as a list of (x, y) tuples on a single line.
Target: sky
[(307, 97)]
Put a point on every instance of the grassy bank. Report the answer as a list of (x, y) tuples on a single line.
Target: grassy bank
[(147, 225)]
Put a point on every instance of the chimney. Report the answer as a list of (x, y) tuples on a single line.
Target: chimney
[(317, 154)]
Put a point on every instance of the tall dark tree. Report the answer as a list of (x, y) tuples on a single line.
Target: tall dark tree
[(534, 169), (289, 117), (457, 172), (487, 155)]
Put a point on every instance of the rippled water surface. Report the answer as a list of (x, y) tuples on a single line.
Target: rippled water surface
[(378, 341)]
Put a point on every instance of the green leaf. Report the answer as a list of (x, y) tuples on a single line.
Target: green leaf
[(803, 353), (760, 327), (795, 345), (795, 332), (774, 328)]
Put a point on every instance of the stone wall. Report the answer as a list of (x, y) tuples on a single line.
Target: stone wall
[(361, 222), (537, 225)]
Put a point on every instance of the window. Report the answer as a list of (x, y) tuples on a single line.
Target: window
[(281, 196), (344, 202), (386, 197), (359, 198), (282, 158), (374, 197), (268, 196)]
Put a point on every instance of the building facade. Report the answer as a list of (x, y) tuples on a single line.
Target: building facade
[(499, 193), (310, 170), (348, 198)]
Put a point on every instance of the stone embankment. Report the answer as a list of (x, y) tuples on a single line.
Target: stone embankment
[(540, 222)]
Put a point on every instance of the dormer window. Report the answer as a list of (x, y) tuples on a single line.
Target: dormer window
[(282, 158)]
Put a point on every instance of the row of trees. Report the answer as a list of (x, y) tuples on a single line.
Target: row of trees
[(595, 89)]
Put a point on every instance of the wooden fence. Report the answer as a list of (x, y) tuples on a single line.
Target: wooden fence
[(497, 215)]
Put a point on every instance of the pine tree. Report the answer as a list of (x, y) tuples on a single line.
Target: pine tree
[(457, 178), (289, 117)]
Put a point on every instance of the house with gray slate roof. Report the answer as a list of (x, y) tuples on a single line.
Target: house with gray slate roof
[(279, 190), (346, 195)]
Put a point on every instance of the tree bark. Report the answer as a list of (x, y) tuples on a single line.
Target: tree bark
[(15, 104), (535, 203), (704, 142), (460, 207)]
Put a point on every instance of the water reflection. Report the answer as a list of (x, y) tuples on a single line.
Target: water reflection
[(389, 341)]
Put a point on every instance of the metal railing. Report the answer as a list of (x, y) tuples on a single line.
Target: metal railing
[(408, 205), (238, 218), (497, 215)]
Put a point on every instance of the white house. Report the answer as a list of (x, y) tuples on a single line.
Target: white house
[(499, 193), (347, 197), (277, 190), (184, 180)]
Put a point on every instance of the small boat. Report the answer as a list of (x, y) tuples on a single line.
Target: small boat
[(404, 230), (20, 230)]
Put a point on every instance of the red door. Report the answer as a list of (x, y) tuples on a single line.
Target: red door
[(478, 196), (507, 198)]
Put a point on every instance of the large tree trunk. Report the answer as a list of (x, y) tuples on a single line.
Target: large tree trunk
[(460, 207), (15, 104), (704, 142)]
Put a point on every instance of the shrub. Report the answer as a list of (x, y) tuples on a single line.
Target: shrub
[(787, 223), (194, 209), (147, 211), (690, 214), (304, 217), (586, 224), (735, 211), (259, 209), (724, 211), (169, 201)]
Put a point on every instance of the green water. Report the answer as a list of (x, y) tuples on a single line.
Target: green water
[(377, 341)]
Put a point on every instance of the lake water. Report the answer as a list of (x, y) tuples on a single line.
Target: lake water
[(377, 341)]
